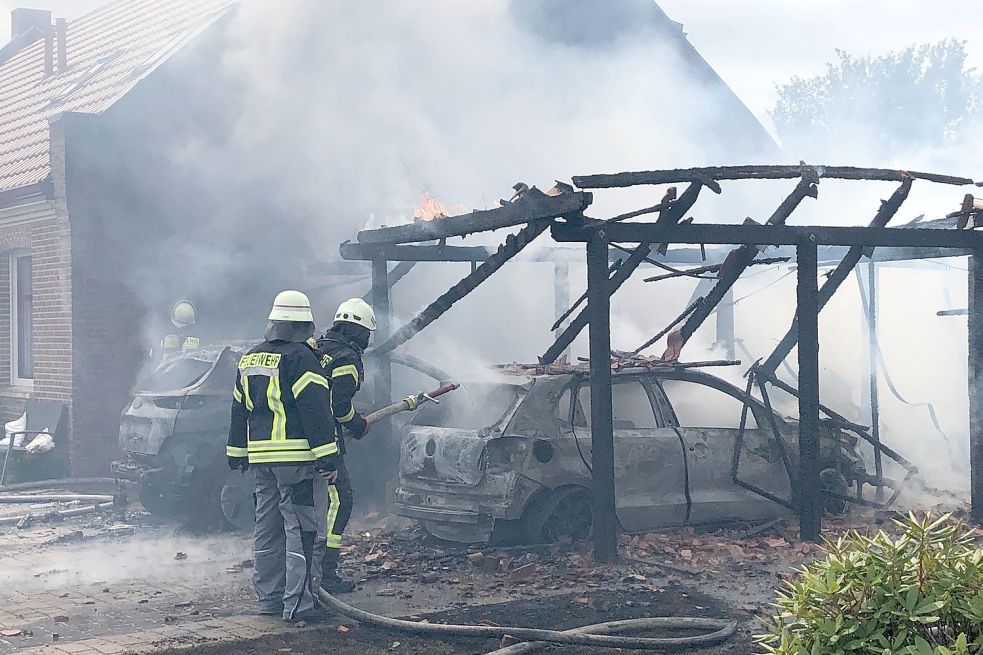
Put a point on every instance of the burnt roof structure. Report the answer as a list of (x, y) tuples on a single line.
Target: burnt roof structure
[(562, 210)]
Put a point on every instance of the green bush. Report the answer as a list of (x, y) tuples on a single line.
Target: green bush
[(920, 593)]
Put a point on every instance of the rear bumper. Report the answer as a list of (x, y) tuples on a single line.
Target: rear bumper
[(464, 516)]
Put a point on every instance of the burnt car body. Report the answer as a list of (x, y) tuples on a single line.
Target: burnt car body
[(512, 460), (173, 435)]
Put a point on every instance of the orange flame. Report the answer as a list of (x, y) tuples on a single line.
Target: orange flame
[(429, 208)]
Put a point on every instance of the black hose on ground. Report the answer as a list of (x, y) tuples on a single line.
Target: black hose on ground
[(722, 630)]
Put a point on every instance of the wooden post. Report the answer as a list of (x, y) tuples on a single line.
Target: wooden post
[(807, 314), (561, 294), (976, 384), (602, 429), (388, 466), (873, 363)]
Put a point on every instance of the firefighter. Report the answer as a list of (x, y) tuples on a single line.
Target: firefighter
[(184, 316), (282, 429), (340, 349)]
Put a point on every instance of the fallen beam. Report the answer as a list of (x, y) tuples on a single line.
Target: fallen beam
[(839, 274), (715, 268), (667, 221), (534, 205), (512, 246), (678, 175)]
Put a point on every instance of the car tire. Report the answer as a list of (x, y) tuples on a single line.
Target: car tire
[(238, 501), (564, 513)]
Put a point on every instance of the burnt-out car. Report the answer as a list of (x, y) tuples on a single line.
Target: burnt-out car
[(510, 459), (173, 435)]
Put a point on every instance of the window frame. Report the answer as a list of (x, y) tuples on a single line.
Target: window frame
[(634, 379), (755, 408), (15, 379)]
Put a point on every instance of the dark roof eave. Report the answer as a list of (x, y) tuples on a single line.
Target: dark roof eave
[(25, 195)]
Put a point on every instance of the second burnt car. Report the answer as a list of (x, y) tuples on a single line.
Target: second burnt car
[(510, 459), (173, 435)]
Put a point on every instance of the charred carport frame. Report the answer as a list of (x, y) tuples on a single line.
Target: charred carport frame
[(536, 211)]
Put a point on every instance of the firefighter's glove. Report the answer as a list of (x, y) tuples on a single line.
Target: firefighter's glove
[(358, 427), (239, 463), (326, 464)]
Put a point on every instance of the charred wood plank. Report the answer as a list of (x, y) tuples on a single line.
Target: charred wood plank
[(839, 274), (679, 319), (512, 246), (714, 268), (666, 222), (559, 321), (428, 253), (534, 205), (678, 175)]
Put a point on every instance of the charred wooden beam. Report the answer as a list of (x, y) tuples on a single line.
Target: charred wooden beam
[(565, 315), (436, 253), (839, 274), (602, 423), (666, 222), (679, 175), (534, 205), (778, 235), (715, 268), (679, 319), (739, 260), (809, 488), (952, 312), (976, 385), (512, 246)]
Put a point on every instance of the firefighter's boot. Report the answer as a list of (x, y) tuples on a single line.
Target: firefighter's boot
[(331, 582)]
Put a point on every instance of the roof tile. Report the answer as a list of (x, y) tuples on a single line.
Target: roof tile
[(109, 51)]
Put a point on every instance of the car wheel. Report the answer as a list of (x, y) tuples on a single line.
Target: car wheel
[(566, 513), (154, 501), (238, 502)]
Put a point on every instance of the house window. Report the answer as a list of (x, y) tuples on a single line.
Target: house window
[(21, 304)]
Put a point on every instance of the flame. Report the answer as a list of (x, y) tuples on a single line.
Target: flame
[(429, 208)]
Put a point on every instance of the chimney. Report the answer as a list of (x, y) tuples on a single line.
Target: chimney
[(49, 51), (24, 20), (61, 32)]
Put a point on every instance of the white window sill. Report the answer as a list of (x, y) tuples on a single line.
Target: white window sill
[(17, 391)]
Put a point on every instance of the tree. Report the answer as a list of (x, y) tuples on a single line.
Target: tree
[(921, 96)]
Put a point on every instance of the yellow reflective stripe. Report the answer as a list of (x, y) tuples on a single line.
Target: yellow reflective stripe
[(285, 457), (306, 379), (334, 504), (275, 403), (349, 416), (236, 395), (236, 451), (347, 369), (279, 444), (190, 343), (245, 392), (333, 540), (325, 450)]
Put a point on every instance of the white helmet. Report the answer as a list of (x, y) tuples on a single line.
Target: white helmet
[(356, 311), (183, 314), (291, 306)]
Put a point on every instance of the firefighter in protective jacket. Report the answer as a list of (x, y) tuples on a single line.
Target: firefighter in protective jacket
[(340, 349), (282, 430)]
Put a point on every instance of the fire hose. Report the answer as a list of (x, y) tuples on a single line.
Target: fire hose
[(601, 635), (585, 636), (410, 403)]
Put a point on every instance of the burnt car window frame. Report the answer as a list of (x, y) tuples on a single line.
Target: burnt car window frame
[(617, 380), (757, 409)]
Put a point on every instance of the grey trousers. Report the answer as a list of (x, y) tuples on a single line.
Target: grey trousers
[(291, 502)]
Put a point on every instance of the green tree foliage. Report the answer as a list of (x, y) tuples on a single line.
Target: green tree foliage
[(920, 593), (924, 95)]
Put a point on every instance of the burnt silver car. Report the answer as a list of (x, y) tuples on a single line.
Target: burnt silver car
[(510, 459)]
